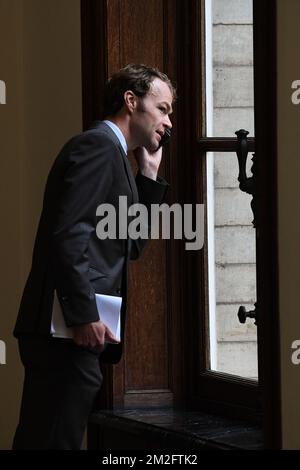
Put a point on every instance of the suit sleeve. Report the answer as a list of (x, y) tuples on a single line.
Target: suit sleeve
[(150, 192), (85, 185)]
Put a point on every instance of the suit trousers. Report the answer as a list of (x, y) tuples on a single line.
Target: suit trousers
[(61, 383)]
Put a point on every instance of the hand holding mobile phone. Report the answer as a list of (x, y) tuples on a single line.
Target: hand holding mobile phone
[(165, 138)]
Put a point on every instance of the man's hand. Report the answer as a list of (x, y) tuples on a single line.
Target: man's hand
[(148, 163), (93, 335)]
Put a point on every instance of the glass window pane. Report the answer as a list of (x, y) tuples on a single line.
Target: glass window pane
[(231, 236), (231, 269), (229, 67)]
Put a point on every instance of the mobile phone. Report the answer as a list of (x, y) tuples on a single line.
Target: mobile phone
[(165, 138)]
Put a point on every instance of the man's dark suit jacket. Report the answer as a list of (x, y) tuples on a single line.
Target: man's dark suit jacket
[(92, 168)]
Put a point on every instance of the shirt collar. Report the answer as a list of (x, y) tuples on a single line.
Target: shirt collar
[(118, 133)]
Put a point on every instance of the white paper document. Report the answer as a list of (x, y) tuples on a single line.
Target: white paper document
[(109, 309)]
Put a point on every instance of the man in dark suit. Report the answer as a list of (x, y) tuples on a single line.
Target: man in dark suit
[(62, 376)]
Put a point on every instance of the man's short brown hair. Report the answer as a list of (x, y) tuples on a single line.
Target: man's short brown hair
[(134, 77)]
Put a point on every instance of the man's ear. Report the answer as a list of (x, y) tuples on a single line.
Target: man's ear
[(130, 100)]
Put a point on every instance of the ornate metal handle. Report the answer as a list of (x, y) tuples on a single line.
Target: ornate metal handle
[(243, 315), (247, 185)]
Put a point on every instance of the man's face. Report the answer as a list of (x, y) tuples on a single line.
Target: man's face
[(151, 116)]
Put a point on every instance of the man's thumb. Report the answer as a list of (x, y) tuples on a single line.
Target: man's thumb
[(109, 337)]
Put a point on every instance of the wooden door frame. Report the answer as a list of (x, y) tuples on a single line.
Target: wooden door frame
[(193, 389), (265, 92)]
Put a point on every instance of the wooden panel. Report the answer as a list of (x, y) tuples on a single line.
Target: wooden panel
[(135, 35), (117, 32), (113, 36), (141, 41), (146, 355), (141, 32)]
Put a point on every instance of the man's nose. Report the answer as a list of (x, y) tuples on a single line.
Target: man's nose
[(168, 122)]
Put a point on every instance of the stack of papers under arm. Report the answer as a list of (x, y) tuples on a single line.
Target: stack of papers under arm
[(109, 308)]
